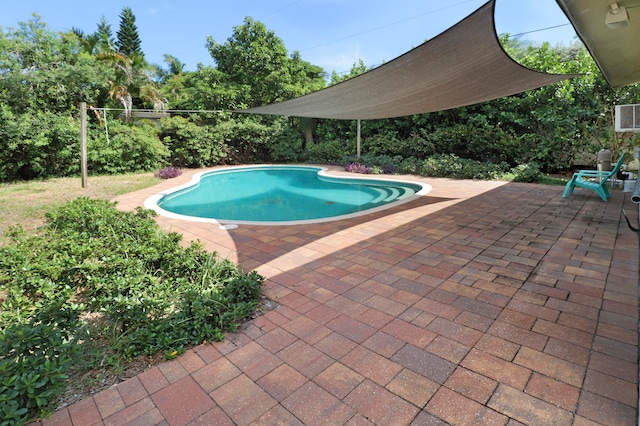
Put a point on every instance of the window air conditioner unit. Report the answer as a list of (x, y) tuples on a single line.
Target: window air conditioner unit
[(627, 118)]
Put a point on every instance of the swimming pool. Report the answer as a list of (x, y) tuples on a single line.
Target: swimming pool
[(280, 195)]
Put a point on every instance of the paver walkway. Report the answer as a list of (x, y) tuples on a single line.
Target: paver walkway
[(480, 303)]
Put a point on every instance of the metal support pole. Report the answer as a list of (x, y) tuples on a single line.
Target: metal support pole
[(359, 134), (83, 143)]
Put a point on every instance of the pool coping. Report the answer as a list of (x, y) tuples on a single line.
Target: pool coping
[(152, 201)]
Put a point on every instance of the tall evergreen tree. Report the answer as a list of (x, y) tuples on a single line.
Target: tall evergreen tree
[(105, 35), (128, 42)]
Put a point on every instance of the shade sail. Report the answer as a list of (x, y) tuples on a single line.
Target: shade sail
[(462, 66)]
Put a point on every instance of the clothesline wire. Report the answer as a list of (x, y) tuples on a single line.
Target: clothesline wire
[(159, 111)]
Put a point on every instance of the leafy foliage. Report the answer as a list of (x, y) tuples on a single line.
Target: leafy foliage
[(191, 144), (120, 148), (254, 57), (99, 274), (377, 164), (444, 165), (37, 354), (330, 152), (450, 165), (43, 76), (248, 139), (37, 145), (288, 146), (529, 172), (41, 71)]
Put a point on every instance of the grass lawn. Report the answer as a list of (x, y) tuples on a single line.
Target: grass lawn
[(25, 203)]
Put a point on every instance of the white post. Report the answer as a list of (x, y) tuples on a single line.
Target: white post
[(358, 133), (83, 143)]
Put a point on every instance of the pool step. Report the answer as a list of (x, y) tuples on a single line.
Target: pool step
[(390, 194)]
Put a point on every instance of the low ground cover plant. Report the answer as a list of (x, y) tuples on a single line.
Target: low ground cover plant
[(98, 286)]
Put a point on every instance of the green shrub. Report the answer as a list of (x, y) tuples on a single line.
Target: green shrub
[(287, 147), (248, 139), (37, 145), (101, 278), (452, 166), (330, 152), (529, 172), (190, 144), (442, 166), (37, 355), (382, 144), (410, 165), (125, 148), (392, 145)]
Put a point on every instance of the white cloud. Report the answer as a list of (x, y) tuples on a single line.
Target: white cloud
[(339, 62)]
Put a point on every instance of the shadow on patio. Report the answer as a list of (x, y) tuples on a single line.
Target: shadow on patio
[(506, 302)]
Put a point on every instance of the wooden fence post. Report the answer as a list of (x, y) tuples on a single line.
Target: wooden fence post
[(83, 143)]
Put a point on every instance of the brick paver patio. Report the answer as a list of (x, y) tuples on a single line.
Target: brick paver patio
[(480, 303)]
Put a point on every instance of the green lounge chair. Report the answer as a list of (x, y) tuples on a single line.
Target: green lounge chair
[(594, 180)]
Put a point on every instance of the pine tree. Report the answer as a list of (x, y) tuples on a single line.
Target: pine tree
[(105, 35), (128, 42)]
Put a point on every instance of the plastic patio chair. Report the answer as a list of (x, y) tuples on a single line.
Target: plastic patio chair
[(594, 180)]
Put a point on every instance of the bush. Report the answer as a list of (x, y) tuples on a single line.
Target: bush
[(37, 354), (248, 140), (529, 172), (100, 285), (410, 165), (125, 148), (37, 145), (287, 147), (475, 140), (330, 152), (449, 165), (453, 166), (190, 144)]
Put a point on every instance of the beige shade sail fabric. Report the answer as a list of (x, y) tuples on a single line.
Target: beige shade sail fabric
[(464, 65)]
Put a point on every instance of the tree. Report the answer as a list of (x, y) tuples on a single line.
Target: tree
[(105, 35), (130, 83), (256, 58), (356, 70), (174, 68), (40, 70), (128, 42)]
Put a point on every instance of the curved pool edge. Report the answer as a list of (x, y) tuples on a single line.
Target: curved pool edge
[(151, 202)]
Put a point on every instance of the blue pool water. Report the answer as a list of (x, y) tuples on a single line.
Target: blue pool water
[(281, 194)]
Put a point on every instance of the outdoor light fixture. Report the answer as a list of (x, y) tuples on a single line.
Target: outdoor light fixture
[(617, 16)]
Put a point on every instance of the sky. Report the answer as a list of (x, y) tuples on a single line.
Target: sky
[(333, 34)]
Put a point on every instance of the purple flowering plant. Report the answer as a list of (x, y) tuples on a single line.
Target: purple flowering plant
[(357, 168), (168, 173)]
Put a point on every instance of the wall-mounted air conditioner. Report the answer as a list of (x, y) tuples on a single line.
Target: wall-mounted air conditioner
[(627, 118)]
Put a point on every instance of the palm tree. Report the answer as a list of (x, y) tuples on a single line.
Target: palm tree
[(132, 83), (175, 68)]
